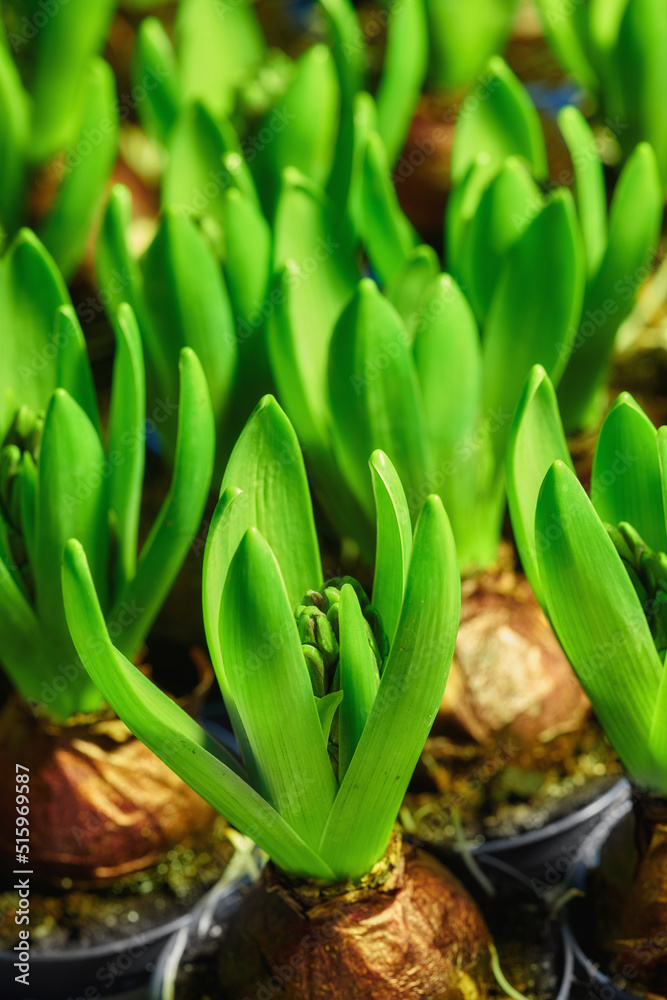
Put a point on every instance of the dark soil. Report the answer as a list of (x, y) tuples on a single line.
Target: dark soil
[(485, 793), (132, 905)]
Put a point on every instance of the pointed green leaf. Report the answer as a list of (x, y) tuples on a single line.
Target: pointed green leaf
[(359, 677), (31, 289), (464, 35), (566, 30), (195, 178), (375, 399), (228, 525), (271, 688), (502, 122), (189, 306), (66, 228), (302, 127), (348, 45), (14, 124), (448, 357), (318, 280), (117, 270), (267, 465), (177, 523), (154, 69), (634, 227), (536, 440), (219, 47), (394, 542), (72, 493), (172, 734), (23, 641), (534, 310), (362, 121), (597, 616), (74, 371), (61, 52), (406, 290), (410, 693), (326, 710), (126, 449), (590, 191), (626, 484), (504, 211), (403, 73), (388, 236)]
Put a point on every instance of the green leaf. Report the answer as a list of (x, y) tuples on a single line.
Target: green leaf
[(228, 525), (28, 503), (408, 286), (14, 124), (219, 47), (154, 69), (597, 616), (302, 127), (388, 236), (72, 493), (505, 209), (536, 440), (74, 372), (195, 178), (351, 148), (464, 36), (247, 270), (60, 53), (634, 227), (348, 45), (189, 306), (267, 465), (590, 186), (126, 441), (662, 457), (31, 289), (534, 310), (403, 73), (65, 230), (319, 278), (448, 358), (374, 392), (326, 710), (502, 122), (180, 516), (410, 693), (117, 270), (23, 641), (359, 678), (271, 688), (172, 734), (626, 484), (394, 542), (566, 30)]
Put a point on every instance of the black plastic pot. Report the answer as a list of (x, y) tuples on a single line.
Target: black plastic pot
[(591, 982), (209, 919), (89, 973), (546, 856), (119, 969)]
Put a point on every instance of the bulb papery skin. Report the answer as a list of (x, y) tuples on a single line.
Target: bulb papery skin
[(418, 934), (630, 894), (509, 677)]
